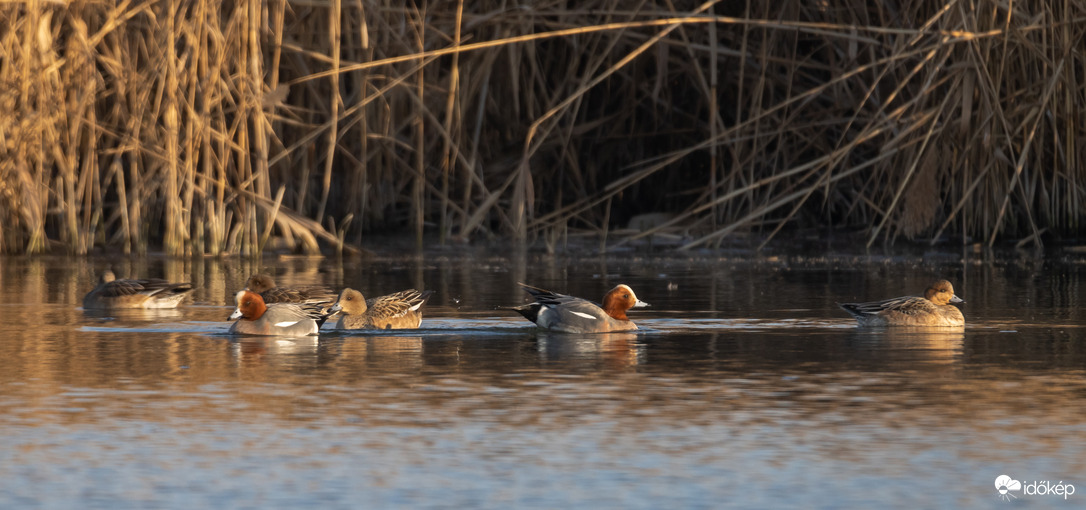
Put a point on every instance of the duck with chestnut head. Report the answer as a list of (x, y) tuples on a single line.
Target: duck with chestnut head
[(254, 317), (567, 314)]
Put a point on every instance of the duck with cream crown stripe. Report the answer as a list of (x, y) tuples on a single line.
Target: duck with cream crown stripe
[(568, 314), (931, 309), (277, 319)]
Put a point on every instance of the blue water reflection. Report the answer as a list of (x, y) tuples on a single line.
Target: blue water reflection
[(745, 387)]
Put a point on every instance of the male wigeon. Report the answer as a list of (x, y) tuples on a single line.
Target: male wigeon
[(568, 314), (265, 286), (112, 293), (284, 319), (931, 309), (401, 310)]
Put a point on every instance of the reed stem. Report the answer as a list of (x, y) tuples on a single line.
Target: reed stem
[(165, 125)]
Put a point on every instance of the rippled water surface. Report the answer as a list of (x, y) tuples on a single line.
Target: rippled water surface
[(745, 387)]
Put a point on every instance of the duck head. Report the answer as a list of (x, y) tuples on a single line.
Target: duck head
[(259, 283), (941, 293), (350, 302), (250, 306), (620, 299)]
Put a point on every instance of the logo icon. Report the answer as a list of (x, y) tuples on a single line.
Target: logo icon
[(1005, 484)]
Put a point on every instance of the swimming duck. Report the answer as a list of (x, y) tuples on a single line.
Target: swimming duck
[(286, 319), (931, 309), (401, 310), (265, 286), (568, 314), (112, 293)]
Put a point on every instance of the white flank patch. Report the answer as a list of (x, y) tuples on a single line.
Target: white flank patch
[(285, 324), (542, 319), (585, 315)]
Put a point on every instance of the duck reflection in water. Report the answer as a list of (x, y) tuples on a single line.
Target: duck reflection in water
[(392, 352), (917, 343), (257, 346), (612, 350)]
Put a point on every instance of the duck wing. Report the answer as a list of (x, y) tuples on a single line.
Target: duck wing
[(398, 304), (548, 298), (281, 313), (908, 305), (298, 295), (148, 286)]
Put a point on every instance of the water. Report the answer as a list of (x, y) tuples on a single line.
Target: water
[(746, 387)]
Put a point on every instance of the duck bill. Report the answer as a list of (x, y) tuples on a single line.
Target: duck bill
[(335, 308), (956, 299), (236, 314), (640, 304)]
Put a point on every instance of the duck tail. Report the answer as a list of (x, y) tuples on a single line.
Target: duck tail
[(538, 293), (852, 308), (424, 296), (529, 311), (318, 312)]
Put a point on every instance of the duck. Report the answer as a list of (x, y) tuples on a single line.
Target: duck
[(401, 310), (255, 317), (264, 285), (111, 293), (931, 309), (567, 314)]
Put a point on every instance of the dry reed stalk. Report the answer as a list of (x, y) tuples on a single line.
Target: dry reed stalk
[(487, 120), (419, 177), (334, 20), (451, 116)]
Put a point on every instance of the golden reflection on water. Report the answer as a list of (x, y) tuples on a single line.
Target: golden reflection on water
[(932, 345), (735, 395), (613, 351), (395, 352)]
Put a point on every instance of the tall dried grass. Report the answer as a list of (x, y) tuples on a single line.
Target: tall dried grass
[(211, 127)]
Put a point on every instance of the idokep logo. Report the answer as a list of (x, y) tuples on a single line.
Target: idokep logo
[(1005, 485), (1008, 486)]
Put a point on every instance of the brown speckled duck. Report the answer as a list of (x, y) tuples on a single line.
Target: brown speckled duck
[(931, 309), (264, 285), (112, 293), (402, 310)]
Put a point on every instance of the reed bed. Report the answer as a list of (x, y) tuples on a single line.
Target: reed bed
[(232, 127)]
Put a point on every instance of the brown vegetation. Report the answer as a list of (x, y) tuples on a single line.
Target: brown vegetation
[(208, 126)]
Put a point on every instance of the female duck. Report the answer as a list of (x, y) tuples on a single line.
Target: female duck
[(112, 293), (568, 314), (401, 310), (285, 319), (264, 285), (931, 309)]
